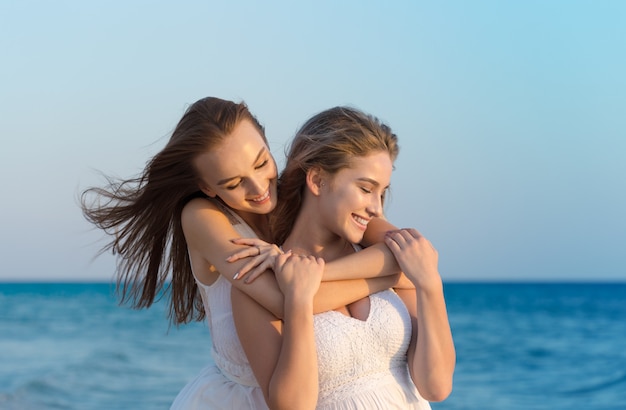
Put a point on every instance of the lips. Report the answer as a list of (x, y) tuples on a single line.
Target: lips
[(360, 221), (262, 198)]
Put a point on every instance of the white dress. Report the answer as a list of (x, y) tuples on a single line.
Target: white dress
[(228, 383), (363, 364)]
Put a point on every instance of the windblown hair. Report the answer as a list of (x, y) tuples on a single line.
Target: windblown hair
[(143, 214), (329, 140)]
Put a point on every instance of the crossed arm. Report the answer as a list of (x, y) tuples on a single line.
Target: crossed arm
[(211, 239)]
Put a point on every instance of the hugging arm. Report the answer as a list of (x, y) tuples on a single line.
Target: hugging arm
[(209, 234), (376, 260)]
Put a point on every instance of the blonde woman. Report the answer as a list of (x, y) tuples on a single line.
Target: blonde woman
[(393, 349)]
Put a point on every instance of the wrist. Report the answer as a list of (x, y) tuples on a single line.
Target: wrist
[(298, 302), (429, 286)]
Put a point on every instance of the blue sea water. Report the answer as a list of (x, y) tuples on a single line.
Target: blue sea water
[(519, 346)]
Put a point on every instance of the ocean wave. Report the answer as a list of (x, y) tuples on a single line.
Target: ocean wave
[(598, 386)]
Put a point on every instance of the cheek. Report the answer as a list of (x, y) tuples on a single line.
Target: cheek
[(337, 206), (348, 199)]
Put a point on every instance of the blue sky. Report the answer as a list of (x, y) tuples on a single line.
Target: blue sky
[(511, 116)]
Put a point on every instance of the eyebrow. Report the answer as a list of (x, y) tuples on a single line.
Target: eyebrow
[(226, 180)]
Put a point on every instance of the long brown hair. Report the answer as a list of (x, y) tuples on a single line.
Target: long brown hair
[(329, 140), (143, 214)]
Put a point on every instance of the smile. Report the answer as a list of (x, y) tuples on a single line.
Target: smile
[(262, 198), (361, 221)]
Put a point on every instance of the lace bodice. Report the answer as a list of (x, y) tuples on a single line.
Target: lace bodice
[(363, 364)]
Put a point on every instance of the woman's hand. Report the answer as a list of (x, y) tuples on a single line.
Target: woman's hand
[(416, 256), (298, 276), (263, 256)]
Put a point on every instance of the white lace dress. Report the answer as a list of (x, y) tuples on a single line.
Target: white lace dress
[(228, 383), (363, 364)]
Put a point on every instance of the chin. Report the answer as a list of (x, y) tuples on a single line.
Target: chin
[(355, 238)]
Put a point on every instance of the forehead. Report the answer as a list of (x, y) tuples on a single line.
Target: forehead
[(234, 156), (377, 167)]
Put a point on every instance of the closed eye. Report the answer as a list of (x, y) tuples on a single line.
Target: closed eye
[(231, 187), (262, 164), (367, 191)]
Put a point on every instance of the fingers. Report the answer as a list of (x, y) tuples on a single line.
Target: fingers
[(289, 257), (281, 259), (254, 248), (250, 241), (257, 271), (408, 242), (244, 253), (397, 239), (391, 243), (405, 235), (253, 264), (263, 259)]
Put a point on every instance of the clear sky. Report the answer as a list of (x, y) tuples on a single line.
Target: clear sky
[(511, 116)]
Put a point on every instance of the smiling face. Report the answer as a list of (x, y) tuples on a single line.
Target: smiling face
[(354, 195), (240, 171)]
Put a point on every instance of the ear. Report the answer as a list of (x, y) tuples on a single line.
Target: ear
[(315, 180), (207, 191)]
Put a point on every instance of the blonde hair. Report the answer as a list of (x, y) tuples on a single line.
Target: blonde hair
[(329, 140)]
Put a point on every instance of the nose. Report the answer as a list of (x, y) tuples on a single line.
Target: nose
[(375, 207), (257, 186)]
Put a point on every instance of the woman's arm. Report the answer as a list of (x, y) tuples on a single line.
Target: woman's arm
[(374, 261), (431, 354), (209, 235), (282, 355), (376, 231)]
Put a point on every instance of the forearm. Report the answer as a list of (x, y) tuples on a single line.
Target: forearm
[(374, 261), (331, 295), (265, 291), (376, 230), (295, 381), (433, 359), (281, 353), (335, 294)]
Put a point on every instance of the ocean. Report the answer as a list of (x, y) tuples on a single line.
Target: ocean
[(519, 346)]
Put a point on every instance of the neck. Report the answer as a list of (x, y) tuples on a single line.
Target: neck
[(310, 236)]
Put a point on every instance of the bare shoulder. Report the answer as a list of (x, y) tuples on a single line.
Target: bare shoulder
[(206, 225), (200, 208), (201, 217), (199, 204)]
